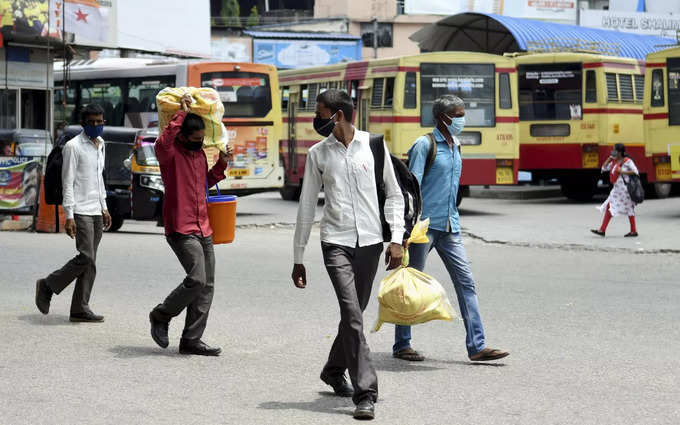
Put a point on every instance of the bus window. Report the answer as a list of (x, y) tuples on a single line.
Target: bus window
[(657, 88), (285, 94), (311, 101), (108, 95), (591, 87), (612, 91), (389, 92), (673, 91), (474, 83), (639, 87), (376, 97), (8, 108), (304, 93), (410, 90), (244, 94), (62, 113), (504, 98), (550, 92), (626, 87), (142, 92)]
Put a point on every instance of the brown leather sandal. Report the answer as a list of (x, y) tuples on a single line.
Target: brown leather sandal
[(489, 354), (409, 354)]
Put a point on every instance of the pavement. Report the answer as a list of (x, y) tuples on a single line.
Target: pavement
[(591, 325)]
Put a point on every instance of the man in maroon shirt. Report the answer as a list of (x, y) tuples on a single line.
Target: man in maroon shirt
[(184, 169)]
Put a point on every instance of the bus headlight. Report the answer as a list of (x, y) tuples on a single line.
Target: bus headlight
[(152, 182)]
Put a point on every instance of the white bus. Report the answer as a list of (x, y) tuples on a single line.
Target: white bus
[(127, 87)]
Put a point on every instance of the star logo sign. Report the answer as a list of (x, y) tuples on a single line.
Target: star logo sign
[(81, 16)]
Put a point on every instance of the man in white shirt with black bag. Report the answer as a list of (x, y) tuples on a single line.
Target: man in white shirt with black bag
[(351, 237), (86, 217)]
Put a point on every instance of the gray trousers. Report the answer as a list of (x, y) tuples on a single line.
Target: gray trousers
[(195, 293), (82, 267), (352, 271)]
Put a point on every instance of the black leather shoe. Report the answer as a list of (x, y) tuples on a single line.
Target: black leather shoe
[(365, 410), (340, 386), (159, 331), (43, 296), (597, 232), (630, 235), (88, 317), (197, 347)]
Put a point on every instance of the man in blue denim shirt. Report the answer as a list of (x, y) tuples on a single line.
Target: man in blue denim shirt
[(439, 189)]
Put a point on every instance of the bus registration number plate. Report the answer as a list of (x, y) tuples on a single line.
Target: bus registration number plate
[(663, 171), (504, 175), (591, 159), (239, 172)]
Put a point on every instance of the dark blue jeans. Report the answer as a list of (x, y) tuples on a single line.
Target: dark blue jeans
[(452, 252)]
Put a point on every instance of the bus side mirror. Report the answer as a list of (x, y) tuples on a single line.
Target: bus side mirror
[(127, 163)]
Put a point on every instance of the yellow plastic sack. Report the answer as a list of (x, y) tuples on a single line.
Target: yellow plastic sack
[(206, 103), (408, 296)]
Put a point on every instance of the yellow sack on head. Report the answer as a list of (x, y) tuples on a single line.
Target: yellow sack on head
[(408, 296), (206, 103)]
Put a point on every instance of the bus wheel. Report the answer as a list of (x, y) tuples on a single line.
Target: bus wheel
[(662, 190), (581, 191), (290, 193), (116, 223)]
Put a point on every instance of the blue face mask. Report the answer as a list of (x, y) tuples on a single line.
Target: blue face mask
[(456, 126), (93, 131)]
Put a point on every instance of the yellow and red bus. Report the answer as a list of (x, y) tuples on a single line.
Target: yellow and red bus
[(662, 117), (394, 97), (127, 87), (573, 107)]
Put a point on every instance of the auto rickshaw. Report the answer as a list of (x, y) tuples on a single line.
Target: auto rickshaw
[(146, 188)]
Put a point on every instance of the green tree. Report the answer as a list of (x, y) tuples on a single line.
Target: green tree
[(231, 11), (254, 18)]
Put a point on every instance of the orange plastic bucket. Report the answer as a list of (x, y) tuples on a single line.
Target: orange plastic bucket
[(222, 216)]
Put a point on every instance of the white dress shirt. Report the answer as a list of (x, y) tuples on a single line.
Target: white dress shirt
[(81, 176), (351, 215)]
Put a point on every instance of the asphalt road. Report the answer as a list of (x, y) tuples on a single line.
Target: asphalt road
[(591, 324)]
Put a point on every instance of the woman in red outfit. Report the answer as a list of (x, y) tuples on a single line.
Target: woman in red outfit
[(619, 202)]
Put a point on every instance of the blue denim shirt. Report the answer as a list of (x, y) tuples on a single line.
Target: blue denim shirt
[(440, 186)]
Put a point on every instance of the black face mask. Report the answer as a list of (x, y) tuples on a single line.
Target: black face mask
[(324, 126), (193, 146)]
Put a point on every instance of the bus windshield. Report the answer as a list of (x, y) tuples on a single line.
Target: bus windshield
[(674, 91), (550, 92), (474, 83), (146, 155), (244, 94)]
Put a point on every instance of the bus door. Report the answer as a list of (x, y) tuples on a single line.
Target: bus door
[(362, 113), (292, 136)]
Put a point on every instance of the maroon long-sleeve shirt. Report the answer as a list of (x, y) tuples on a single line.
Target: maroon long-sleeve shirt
[(184, 174)]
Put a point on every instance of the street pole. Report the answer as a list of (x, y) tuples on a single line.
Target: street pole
[(375, 38)]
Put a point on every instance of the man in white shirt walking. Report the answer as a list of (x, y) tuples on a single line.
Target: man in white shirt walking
[(86, 217), (351, 237)]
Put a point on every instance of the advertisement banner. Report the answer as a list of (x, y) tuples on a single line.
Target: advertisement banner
[(305, 53), (92, 22), (24, 17), (633, 22), (19, 182)]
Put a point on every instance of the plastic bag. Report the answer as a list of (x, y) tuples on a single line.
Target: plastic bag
[(408, 296), (206, 103)]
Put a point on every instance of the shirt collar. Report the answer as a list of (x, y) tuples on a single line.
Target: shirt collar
[(439, 137)]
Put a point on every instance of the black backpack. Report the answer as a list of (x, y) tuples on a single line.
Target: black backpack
[(635, 189), (408, 184), (53, 185)]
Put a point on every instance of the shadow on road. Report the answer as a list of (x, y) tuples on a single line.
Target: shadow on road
[(466, 212), (135, 352), (465, 363), (328, 403), (386, 363), (46, 320)]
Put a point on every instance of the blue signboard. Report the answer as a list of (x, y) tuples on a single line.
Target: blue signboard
[(286, 54)]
